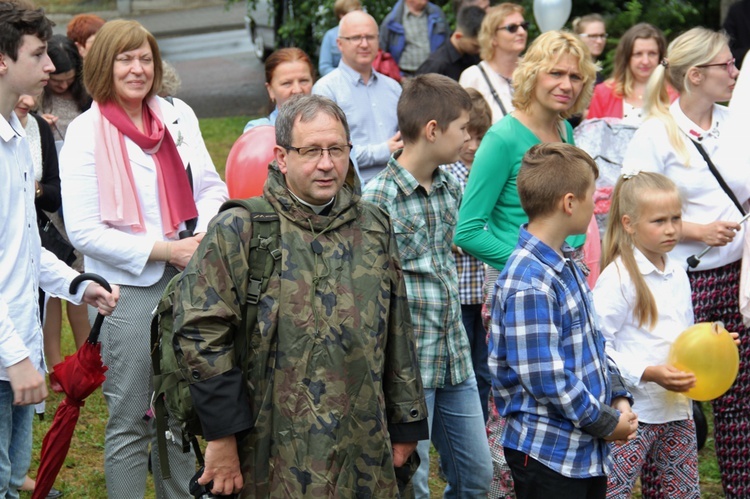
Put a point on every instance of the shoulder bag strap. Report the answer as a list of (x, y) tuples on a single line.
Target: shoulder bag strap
[(492, 89), (718, 177)]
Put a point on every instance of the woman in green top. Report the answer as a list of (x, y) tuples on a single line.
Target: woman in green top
[(553, 82)]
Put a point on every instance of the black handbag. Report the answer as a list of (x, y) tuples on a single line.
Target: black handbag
[(53, 241)]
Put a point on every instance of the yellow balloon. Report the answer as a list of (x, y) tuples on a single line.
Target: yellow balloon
[(708, 351)]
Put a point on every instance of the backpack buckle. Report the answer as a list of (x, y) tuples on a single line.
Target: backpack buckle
[(253, 291)]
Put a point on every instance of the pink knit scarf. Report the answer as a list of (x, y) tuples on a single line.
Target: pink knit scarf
[(118, 199)]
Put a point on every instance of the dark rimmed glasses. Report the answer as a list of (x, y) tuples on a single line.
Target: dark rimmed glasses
[(727, 65), (314, 153), (513, 27)]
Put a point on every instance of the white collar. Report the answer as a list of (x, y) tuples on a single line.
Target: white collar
[(646, 267), (691, 129)]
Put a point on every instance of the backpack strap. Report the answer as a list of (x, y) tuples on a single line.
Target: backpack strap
[(265, 254)]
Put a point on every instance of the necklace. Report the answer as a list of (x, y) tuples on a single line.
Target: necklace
[(509, 81)]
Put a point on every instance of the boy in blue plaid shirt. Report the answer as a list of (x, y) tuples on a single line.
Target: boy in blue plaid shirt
[(422, 201), (562, 397)]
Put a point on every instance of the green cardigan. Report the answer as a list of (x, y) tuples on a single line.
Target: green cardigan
[(491, 197)]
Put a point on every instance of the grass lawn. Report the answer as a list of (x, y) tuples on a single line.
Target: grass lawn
[(82, 475)]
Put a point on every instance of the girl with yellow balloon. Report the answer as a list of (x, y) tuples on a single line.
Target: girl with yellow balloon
[(643, 302)]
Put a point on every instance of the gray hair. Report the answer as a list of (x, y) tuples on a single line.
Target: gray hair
[(170, 81), (307, 108)]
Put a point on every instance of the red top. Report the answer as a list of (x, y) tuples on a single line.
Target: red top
[(605, 104)]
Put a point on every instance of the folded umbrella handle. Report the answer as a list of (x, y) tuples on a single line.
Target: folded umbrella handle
[(88, 276)]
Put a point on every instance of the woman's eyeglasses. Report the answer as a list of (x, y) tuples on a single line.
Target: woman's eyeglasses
[(512, 28), (601, 36), (727, 65)]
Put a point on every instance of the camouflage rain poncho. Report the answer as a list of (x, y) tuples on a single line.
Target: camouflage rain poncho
[(345, 368)]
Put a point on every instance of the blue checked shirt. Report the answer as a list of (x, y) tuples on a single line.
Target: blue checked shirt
[(470, 269), (424, 224), (551, 377)]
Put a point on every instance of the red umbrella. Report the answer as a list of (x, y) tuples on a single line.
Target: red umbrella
[(80, 375)]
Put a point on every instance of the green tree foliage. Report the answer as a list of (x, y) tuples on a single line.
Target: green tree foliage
[(671, 16), (304, 22)]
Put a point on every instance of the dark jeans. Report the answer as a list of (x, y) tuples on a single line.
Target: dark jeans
[(472, 319), (533, 480)]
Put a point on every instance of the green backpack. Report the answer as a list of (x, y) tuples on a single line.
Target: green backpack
[(171, 379)]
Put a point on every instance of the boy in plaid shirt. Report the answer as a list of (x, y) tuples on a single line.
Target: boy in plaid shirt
[(422, 200), (562, 397), (471, 269)]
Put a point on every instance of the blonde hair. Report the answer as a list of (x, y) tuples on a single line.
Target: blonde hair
[(628, 199), (579, 23), (542, 55), (491, 22), (693, 48), (113, 39), (343, 7)]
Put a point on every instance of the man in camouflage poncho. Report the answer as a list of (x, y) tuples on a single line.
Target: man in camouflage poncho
[(334, 398)]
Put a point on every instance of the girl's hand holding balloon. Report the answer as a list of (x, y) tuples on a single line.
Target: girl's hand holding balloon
[(669, 377), (736, 338)]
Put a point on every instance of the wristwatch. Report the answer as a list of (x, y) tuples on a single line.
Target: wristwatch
[(38, 191)]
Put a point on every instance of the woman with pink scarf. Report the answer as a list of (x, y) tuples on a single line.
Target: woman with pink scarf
[(139, 189)]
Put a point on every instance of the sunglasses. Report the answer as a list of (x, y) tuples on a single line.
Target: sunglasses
[(512, 28)]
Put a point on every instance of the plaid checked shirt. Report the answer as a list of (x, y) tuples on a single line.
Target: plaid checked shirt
[(470, 269), (551, 379), (424, 224)]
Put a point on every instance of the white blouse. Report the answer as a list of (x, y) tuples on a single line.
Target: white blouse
[(635, 348), (472, 78), (116, 253), (704, 199)]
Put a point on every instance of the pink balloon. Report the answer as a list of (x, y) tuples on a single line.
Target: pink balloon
[(247, 163)]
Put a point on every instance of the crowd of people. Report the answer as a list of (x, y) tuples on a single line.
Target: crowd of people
[(438, 276)]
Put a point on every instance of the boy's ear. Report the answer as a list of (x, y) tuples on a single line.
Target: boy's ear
[(568, 202), (430, 130), (3, 64)]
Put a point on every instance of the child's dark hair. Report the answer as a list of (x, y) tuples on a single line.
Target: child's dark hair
[(429, 97), (548, 172), (64, 55), (480, 115), (18, 19), (628, 199)]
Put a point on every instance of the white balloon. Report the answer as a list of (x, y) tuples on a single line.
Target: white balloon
[(551, 15)]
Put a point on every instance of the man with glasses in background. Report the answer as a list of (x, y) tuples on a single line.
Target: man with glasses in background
[(367, 97), (333, 403)]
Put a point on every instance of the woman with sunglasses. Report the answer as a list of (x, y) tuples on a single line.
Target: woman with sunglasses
[(638, 53), (502, 38), (681, 141)]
